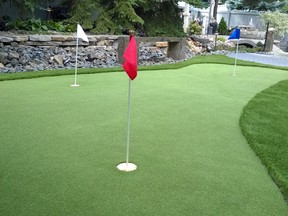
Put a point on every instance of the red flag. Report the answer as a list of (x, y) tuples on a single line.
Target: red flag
[(130, 56)]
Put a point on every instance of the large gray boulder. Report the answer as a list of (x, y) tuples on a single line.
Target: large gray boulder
[(284, 43)]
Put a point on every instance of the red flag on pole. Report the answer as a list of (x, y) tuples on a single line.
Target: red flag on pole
[(130, 56)]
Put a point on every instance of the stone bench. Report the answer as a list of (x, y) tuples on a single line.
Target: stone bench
[(176, 46)]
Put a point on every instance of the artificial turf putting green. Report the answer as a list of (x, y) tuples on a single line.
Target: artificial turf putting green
[(263, 123), (60, 145)]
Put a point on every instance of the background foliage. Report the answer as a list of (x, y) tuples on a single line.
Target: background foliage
[(259, 5), (277, 20), (118, 16), (147, 17)]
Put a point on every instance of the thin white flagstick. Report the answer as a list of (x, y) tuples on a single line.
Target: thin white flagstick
[(128, 166), (128, 126), (75, 79), (236, 55)]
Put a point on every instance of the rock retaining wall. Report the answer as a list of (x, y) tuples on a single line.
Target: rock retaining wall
[(20, 53)]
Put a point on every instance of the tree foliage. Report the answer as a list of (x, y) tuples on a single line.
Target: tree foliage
[(118, 16), (160, 18), (105, 16), (277, 20), (82, 12), (154, 17), (23, 5), (259, 5), (195, 3)]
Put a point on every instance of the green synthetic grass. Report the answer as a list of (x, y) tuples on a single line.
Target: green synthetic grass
[(60, 145), (212, 59), (264, 124)]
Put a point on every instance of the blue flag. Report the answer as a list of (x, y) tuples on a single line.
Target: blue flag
[(235, 34)]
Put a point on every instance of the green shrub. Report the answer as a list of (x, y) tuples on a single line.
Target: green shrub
[(224, 47), (222, 39), (260, 44), (36, 25), (194, 28), (222, 28), (243, 48)]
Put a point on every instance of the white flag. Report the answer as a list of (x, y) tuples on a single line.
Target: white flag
[(81, 34)]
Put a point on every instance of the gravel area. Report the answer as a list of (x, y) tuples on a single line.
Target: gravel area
[(276, 57)]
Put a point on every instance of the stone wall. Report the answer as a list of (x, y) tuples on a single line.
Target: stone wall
[(58, 40), (46, 52)]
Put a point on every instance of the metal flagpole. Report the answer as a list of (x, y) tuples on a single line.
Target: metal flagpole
[(75, 78), (128, 166), (234, 74)]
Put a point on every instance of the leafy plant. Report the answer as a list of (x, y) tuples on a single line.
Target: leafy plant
[(195, 28), (285, 8), (222, 39), (64, 26), (36, 25)]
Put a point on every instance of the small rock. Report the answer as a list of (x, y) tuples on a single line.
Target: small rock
[(59, 59), (4, 39), (20, 38), (14, 44), (3, 56), (161, 44), (13, 55), (43, 38), (14, 62)]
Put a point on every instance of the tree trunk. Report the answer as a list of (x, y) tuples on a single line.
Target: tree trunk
[(215, 9)]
